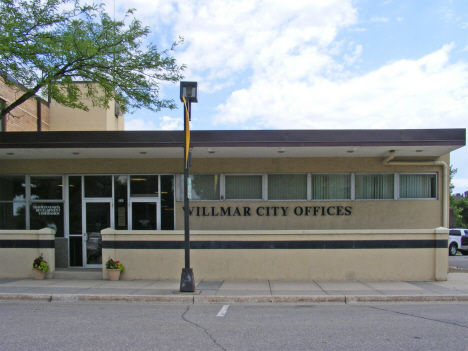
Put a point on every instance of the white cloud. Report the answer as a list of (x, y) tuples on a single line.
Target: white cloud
[(351, 59), (171, 123), (286, 62), (165, 123), (358, 29), (139, 124), (379, 19), (227, 37), (428, 92)]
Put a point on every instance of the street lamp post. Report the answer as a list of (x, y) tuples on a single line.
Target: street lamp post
[(188, 94)]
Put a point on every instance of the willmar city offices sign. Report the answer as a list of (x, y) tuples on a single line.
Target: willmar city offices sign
[(267, 211)]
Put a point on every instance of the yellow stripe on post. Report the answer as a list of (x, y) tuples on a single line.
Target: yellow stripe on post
[(187, 132)]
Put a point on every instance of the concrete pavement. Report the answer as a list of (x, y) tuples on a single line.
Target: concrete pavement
[(454, 289)]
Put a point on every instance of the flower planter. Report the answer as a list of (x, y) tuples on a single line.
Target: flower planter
[(38, 274), (114, 274)]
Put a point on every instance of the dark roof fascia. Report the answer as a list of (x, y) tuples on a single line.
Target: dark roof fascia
[(236, 138)]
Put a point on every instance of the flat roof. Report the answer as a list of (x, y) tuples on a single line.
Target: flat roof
[(232, 143)]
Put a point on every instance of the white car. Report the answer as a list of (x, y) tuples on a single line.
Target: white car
[(455, 241)]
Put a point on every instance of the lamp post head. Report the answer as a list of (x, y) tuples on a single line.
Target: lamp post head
[(189, 90)]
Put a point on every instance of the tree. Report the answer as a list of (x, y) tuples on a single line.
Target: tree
[(453, 171), (459, 206), (47, 49), (460, 211)]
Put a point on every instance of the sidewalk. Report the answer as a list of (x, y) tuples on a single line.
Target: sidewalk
[(454, 289)]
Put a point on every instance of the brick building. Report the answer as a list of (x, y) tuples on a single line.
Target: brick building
[(37, 115), (33, 115)]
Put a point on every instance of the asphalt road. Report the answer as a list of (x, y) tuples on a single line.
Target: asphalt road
[(458, 261), (145, 326)]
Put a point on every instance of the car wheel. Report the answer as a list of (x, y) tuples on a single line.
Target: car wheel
[(453, 249)]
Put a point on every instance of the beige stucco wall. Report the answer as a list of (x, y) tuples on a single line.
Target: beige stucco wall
[(369, 220), (371, 214), (216, 165), (17, 262), (284, 264), (96, 119), (67, 119)]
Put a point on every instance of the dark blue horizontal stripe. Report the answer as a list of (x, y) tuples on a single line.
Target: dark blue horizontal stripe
[(272, 245), (27, 244)]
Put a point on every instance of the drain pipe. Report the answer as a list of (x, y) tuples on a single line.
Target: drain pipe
[(388, 162)]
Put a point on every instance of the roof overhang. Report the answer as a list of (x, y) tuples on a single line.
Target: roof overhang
[(429, 143)]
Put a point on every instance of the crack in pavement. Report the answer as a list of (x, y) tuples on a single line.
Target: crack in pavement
[(199, 326), (414, 316)]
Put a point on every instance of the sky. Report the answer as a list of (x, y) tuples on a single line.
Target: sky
[(314, 64)]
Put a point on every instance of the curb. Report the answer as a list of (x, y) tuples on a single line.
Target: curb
[(457, 270), (346, 299), (406, 298), (271, 299)]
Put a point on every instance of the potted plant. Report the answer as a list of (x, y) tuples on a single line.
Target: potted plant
[(114, 268), (40, 267)]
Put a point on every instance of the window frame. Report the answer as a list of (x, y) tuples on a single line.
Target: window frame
[(23, 201), (418, 198), (264, 185), (181, 186), (354, 185), (267, 193), (351, 184), (352, 175)]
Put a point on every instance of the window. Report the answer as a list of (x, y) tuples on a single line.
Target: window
[(46, 205), (204, 186), (46, 188), (74, 205), (311, 186), (12, 188), (47, 215), (98, 186), (331, 186), (40, 207), (167, 202), (287, 186), (121, 202), (12, 202), (418, 186), (243, 187), (144, 186), (374, 186)]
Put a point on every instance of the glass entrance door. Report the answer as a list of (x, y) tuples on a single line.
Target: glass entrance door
[(98, 216)]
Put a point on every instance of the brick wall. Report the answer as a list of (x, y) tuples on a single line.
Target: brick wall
[(24, 117)]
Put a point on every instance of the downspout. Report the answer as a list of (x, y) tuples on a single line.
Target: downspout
[(388, 162)]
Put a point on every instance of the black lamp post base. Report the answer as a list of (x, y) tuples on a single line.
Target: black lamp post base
[(187, 282)]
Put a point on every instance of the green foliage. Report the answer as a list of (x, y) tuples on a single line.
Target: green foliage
[(453, 171), (460, 211), (459, 206), (40, 264), (457, 212), (47, 50), (111, 264)]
